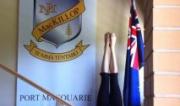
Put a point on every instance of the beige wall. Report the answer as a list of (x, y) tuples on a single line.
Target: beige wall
[(8, 37), (112, 16)]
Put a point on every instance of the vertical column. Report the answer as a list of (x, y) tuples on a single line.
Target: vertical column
[(148, 69), (162, 68)]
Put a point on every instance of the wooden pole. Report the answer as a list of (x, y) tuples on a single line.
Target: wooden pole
[(14, 72)]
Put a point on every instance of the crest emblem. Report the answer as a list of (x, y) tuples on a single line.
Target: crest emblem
[(61, 29), (57, 22)]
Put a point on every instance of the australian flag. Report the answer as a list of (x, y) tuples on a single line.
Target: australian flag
[(134, 61)]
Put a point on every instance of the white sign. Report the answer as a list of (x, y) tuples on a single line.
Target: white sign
[(56, 49)]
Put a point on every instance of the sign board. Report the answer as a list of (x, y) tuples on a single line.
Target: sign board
[(56, 49)]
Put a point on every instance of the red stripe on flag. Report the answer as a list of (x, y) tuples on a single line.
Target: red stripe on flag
[(133, 31), (136, 61)]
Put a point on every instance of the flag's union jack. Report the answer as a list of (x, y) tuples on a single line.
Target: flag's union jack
[(134, 61)]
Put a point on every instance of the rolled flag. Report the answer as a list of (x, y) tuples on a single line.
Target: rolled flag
[(134, 61)]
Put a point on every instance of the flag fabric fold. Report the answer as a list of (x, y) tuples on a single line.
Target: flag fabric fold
[(134, 61)]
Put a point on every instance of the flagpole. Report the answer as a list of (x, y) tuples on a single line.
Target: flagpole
[(14, 72), (133, 4)]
